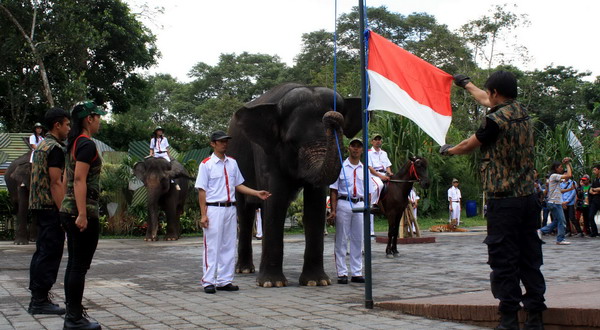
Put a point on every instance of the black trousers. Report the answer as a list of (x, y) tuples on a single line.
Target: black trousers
[(570, 218), (594, 208), (515, 253), (81, 246), (48, 252)]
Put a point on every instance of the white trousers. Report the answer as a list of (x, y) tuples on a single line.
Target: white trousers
[(259, 232), (348, 227), (163, 155), (377, 186), (455, 214), (220, 239)]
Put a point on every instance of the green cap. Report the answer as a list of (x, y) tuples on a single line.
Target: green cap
[(89, 108), (376, 135)]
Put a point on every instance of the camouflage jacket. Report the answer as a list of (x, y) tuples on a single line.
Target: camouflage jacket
[(507, 164), (93, 184), (40, 197)]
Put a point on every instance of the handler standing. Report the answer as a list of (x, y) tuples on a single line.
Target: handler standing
[(454, 198), (218, 179), (346, 193), (514, 248), (45, 196)]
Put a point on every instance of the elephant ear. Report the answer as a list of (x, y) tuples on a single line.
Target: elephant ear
[(22, 173), (139, 169), (259, 123), (177, 171), (352, 112)]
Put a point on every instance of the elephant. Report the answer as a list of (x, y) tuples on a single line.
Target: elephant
[(284, 141), (17, 179), (161, 178)]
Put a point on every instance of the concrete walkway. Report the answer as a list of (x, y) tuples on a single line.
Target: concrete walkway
[(134, 284)]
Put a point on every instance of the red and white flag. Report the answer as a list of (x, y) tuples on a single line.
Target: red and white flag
[(407, 85)]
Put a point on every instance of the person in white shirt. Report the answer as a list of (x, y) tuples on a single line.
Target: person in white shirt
[(219, 178), (454, 201), (159, 145), (346, 193), (36, 138), (381, 171), (413, 199), (259, 232)]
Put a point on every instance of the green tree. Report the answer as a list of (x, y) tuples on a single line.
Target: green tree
[(90, 50)]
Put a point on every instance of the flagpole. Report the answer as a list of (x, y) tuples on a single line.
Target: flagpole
[(367, 200)]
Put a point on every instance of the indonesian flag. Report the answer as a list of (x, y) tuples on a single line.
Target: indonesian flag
[(407, 85)]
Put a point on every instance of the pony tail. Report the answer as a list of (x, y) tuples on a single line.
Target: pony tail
[(76, 126)]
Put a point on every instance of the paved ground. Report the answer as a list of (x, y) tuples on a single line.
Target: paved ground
[(137, 284)]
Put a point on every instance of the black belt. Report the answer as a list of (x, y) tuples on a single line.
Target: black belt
[(90, 194), (160, 152), (349, 199), (381, 171), (221, 204)]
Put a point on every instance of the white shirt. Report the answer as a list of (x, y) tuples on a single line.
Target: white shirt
[(212, 179), (379, 159), (162, 145), (32, 140), (412, 196), (454, 194), (350, 181)]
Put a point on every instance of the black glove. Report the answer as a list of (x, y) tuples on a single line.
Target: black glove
[(444, 149), (461, 80)]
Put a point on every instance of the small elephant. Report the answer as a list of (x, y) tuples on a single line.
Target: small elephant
[(284, 141), (17, 179), (161, 179)]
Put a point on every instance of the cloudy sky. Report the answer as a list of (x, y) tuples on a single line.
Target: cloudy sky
[(192, 31)]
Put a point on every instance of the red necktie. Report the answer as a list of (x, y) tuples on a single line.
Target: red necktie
[(226, 181), (355, 182)]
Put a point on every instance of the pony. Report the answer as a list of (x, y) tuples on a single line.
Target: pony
[(394, 199)]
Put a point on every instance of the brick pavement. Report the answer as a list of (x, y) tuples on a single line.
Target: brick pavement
[(135, 284)]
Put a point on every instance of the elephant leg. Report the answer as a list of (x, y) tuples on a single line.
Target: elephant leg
[(22, 233), (246, 213), (271, 263), (313, 273), (170, 207), (152, 230)]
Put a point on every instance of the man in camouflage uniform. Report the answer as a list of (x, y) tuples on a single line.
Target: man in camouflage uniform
[(45, 197), (514, 248)]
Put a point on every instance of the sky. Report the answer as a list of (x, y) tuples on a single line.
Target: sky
[(191, 31)]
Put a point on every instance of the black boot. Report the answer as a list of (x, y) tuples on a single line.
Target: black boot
[(508, 321), (534, 321), (41, 303), (77, 318)]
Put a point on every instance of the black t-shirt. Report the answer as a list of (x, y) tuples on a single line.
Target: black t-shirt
[(488, 133), (596, 197), (86, 151), (56, 158)]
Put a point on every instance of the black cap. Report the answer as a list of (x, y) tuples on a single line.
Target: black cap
[(219, 135)]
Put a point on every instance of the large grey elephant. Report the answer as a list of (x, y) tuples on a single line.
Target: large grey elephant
[(17, 179), (161, 179), (285, 141)]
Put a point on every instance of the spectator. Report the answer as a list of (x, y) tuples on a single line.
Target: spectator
[(583, 203), (555, 201), (594, 196), (569, 194)]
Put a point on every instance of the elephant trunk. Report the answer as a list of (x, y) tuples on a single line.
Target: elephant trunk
[(321, 160)]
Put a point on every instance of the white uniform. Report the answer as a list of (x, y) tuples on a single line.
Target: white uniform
[(33, 142), (413, 198), (348, 225), (218, 178), (454, 198), (259, 232), (160, 148), (379, 161)]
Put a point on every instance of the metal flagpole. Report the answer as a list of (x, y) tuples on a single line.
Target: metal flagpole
[(367, 199)]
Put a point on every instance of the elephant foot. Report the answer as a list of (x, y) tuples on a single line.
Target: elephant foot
[(270, 281), (21, 241), (151, 239), (244, 268), (320, 279), (171, 238)]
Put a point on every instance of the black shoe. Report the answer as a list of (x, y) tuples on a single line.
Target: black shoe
[(343, 279), (508, 321), (44, 306), (357, 279), (77, 318), (210, 289), (228, 287), (534, 321)]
